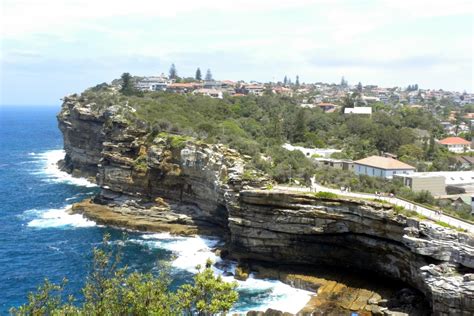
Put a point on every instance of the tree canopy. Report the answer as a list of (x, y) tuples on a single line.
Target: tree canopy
[(198, 75), (173, 72)]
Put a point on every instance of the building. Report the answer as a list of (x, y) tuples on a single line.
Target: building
[(313, 152), (438, 183), (455, 144), (464, 162), (182, 87), (283, 91), (213, 93), (212, 84), (327, 107), (159, 83), (424, 181), (255, 89), (340, 164), (360, 110), (377, 166)]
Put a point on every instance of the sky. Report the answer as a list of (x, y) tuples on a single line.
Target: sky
[(52, 48)]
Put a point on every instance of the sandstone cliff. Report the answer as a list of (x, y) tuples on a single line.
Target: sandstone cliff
[(170, 179)]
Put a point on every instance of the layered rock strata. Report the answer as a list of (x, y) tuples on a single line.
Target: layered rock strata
[(170, 180)]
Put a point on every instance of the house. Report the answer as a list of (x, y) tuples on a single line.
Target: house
[(255, 89), (360, 110), (377, 166), (213, 93), (455, 144), (159, 83), (182, 87), (312, 152), (327, 107), (283, 91), (212, 84), (464, 162), (469, 116), (340, 164)]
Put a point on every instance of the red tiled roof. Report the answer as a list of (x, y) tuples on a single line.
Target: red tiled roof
[(454, 141), (383, 163), (182, 85)]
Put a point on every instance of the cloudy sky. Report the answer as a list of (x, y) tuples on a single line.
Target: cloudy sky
[(50, 48)]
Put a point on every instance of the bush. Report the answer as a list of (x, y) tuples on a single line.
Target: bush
[(110, 290), (326, 195)]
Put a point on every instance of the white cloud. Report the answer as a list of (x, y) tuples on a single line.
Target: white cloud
[(373, 40)]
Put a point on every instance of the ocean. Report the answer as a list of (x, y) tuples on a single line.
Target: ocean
[(39, 240)]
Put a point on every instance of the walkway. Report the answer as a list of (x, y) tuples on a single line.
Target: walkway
[(433, 215)]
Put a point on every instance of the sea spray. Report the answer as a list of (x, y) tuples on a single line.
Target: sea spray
[(51, 173), (56, 218), (256, 294)]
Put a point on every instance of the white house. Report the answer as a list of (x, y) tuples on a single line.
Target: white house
[(367, 110), (158, 83), (255, 89), (455, 144), (310, 152), (213, 93), (376, 166)]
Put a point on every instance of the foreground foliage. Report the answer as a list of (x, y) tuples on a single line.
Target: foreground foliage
[(111, 290)]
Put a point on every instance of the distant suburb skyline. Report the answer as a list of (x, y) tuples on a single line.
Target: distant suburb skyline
[(55, 47)]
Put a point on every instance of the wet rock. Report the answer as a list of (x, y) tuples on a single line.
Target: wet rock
[(241, 273)]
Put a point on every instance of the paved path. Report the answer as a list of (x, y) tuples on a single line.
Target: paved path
[(393, 200)]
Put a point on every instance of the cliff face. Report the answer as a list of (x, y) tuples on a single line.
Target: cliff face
[(199, 180), (166, 178), (298, 229)]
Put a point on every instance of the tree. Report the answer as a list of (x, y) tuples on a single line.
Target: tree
[(173, 72), (127, 85), (344, 82), (297, 82), (300, 127), (209, 75), (209, 295), (110, 290), (198, 74), (347, 102)]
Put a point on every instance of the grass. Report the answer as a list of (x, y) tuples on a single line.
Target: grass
[(400, 210), (326, 195)]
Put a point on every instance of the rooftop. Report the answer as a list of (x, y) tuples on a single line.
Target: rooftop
[(383, 163), (454, 141), (358, 110), (451, 177)]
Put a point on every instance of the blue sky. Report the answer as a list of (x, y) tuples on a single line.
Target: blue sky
[(52, 48)]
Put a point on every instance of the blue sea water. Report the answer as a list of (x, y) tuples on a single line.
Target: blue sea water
[(39, 240)]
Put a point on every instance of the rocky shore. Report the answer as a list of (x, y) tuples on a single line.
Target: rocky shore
[(161, 182)]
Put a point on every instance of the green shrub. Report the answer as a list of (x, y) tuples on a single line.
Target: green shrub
[(111, 290), (326, 195)]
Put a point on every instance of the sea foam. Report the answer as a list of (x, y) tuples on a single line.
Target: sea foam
[(56, 218), (193, 251), (51, 173)]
